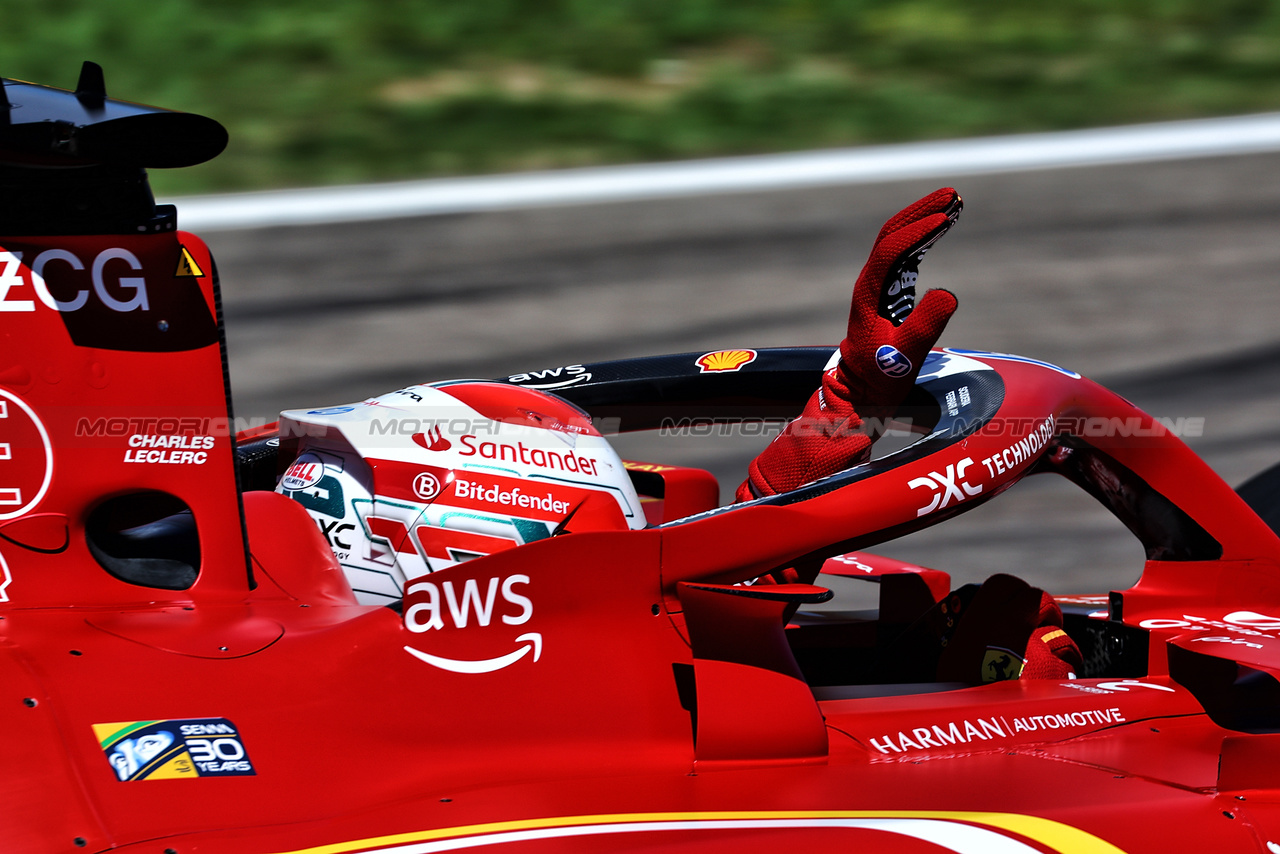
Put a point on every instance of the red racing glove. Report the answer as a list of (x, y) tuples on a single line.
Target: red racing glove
[(1051, 653), (880, 356)]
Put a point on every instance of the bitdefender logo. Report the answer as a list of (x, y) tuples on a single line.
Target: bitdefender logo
[(305, 472), (426, 486)]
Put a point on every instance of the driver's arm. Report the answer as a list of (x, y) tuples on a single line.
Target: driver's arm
[(887, 339)]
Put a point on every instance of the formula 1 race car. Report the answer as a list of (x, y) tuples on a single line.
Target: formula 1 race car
[(189, 668)]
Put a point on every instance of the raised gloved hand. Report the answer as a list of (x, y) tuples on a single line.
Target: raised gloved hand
[(880, 356)]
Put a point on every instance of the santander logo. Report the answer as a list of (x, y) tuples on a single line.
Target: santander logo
[(432, 440)]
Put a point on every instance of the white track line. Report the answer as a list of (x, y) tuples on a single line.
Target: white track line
[(871, 164)]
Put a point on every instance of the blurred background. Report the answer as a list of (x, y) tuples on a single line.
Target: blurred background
[(1157, 279), (348, 90)]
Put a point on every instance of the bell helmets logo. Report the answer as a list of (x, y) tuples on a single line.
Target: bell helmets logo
[(305, 473), (432, 440), (724, 361), (892, 362)]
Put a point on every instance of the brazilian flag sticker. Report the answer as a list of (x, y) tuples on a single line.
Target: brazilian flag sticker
[(174, 749)]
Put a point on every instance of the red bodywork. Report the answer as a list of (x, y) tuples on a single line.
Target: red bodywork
[(596, 691), (213, 686)]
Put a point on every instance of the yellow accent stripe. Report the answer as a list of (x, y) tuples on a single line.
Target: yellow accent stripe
[(1057, 633), (1061, 837), (111, 733), (177, 768)]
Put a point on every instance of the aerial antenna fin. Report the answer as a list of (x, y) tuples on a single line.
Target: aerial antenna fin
[(91, 88)]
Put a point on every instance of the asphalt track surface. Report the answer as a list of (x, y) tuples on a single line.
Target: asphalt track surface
[(1158, 280)]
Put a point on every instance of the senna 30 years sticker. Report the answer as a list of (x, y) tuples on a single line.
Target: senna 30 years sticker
[(174, 749)]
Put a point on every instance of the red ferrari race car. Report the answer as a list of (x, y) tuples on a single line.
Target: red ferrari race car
[(314, 638)]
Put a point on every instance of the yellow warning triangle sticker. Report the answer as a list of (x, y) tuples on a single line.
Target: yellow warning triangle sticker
[(187, 265)]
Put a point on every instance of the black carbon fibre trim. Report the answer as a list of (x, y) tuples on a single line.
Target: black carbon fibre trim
[(645, 393), (986, 390), (649, 392)]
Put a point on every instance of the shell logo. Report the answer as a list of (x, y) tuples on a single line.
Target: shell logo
[(721, 361)]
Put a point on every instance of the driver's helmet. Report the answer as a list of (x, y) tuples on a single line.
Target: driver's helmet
[(428, 476)]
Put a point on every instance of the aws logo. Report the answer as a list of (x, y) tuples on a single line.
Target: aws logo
[(552, 378), (433, 606)]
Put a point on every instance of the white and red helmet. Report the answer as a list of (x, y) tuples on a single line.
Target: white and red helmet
[(429, 476)]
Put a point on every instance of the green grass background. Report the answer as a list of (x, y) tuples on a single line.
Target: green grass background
[(362, 90)]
